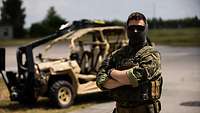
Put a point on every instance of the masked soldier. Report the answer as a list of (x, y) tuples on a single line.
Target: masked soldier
[(132, 73)]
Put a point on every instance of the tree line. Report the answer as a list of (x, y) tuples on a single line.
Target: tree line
[(13, 14), (176, 23)]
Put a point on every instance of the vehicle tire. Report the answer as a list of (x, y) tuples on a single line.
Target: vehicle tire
[(61, 94)]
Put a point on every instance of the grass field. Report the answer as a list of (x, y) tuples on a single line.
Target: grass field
[(43, 105), (175, 37), (15, 42)]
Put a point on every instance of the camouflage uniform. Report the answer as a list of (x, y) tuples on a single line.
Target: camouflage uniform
[(145, 77)]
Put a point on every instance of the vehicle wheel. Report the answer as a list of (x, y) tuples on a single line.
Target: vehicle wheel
[(62, 94)]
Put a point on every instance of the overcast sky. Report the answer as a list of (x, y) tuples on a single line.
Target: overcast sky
[(36, 10)]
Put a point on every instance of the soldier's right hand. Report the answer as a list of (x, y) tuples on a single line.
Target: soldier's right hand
[(106, 64)]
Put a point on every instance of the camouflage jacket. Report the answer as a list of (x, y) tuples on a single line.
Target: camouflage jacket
[(142, 66)]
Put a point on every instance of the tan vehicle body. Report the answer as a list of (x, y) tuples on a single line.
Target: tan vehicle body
[(71, 68), (61, 79), (66, 67)]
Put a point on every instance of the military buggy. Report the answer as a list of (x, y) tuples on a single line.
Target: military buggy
[(84, 44)]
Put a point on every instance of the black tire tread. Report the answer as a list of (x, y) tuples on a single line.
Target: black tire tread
[(53, 93)]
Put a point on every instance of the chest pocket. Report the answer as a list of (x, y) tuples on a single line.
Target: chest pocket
[(152, 89), (156, 88)]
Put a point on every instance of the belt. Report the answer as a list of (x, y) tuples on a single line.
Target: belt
[(129, 104), (139, 108)]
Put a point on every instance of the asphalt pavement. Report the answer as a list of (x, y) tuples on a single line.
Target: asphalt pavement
[(181, 73)]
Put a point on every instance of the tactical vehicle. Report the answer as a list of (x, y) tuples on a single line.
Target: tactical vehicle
[(86, 43)]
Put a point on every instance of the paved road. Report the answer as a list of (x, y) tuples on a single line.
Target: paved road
[(57, 51), (181, 72)]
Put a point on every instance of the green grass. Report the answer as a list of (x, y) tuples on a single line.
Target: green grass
[(42, 106), (177, 37)]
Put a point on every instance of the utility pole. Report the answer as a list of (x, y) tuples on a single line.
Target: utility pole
[(154, 14), (154, 10)]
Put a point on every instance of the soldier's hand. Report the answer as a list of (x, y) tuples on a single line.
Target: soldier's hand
[(106, 63)]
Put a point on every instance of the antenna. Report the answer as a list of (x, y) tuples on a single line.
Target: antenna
[(154, 9)]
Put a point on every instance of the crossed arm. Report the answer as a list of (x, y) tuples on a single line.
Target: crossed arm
[(130, 76), (120, 78)]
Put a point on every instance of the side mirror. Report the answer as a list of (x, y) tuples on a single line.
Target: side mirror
[(2, 59)]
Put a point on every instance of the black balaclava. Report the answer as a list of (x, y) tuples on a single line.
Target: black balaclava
[(137, 38)]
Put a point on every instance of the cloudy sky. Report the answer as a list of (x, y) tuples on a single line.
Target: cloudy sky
[(36, 10)]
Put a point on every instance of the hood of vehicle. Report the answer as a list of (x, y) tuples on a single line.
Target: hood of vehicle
[(60, 66)]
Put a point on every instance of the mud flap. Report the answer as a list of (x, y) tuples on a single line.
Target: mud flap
[(2, 59), (9, 77), (2, 65)]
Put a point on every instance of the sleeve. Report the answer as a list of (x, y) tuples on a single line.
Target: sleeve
[(102, 75), (148, 66)]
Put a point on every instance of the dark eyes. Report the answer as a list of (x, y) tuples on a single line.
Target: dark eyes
[(136, 28)]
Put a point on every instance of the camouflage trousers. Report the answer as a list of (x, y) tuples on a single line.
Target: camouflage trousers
[(151, 108)]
